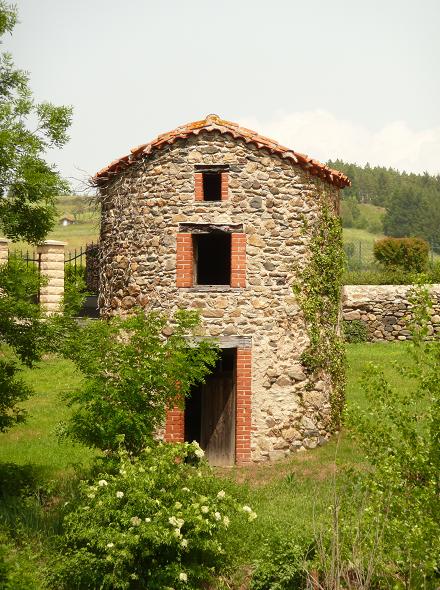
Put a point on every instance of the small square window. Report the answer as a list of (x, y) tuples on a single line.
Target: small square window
[(211, 182), (212, 259)]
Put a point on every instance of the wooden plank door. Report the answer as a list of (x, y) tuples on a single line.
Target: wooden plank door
[(218, 418)]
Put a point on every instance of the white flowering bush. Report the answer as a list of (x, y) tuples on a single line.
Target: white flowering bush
[(160, 522)]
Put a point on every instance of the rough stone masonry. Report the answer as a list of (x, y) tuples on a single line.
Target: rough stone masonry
[(149, 211)]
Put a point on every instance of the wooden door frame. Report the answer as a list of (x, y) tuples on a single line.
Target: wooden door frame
[(175, 421)]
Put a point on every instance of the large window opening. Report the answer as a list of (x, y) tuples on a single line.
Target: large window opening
[(212, 186), (212, 259)]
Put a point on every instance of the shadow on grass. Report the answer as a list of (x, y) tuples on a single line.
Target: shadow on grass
[(30, 501)]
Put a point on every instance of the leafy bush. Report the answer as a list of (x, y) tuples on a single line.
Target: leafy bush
[(410, 254), (134, 369), (75, 290), (160, 522), (400, 435), (355, 331), (350, 212), (391, 276), (22, 330), (284, 565)]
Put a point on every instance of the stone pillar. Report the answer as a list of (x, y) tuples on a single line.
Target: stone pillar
[(51, 255), (4, 249)]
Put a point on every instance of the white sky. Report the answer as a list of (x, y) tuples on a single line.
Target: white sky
[(332, 78)]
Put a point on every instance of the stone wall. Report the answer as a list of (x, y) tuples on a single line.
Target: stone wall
[(278, 204), (385, 310)]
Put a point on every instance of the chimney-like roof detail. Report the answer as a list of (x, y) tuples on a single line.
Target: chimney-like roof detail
[(214, 123)]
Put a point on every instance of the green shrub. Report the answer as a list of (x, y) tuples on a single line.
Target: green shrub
[(75, 289), (283, 565), (134, 369), (160, 522), (400, 436), (355, 331), (410, 254)]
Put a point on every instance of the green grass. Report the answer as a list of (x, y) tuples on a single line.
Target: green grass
[(291, 497), (35, 442)]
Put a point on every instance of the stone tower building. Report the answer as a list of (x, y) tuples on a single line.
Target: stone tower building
[(215, 217)]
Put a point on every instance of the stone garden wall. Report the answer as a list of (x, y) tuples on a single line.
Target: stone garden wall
[(385, 310)]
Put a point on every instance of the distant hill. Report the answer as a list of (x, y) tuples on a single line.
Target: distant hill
[(411, 202)]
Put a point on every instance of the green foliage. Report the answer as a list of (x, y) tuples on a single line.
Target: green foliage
[(132, 374), (13, 391), (75, 289), (409, 254), (319, 296), (350, 212), (284, 566), (355, 331), (400, 435), (160, 522), (28, 185), (411, 200), (20, 329), (392, 276)]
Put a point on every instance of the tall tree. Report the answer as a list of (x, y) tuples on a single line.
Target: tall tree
[(28, 186)]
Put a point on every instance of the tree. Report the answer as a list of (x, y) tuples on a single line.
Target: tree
[(28, 186), (132, 374)]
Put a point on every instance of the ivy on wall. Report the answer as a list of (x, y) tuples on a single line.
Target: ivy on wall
[(319, 295)]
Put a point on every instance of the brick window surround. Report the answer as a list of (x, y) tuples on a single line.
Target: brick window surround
[(185, 260), (175, 419), (198, 186)]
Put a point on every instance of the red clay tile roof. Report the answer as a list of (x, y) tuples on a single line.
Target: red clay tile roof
[(215, 123)]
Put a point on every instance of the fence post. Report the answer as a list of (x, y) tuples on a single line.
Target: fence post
[(4, 250), (52, 267)]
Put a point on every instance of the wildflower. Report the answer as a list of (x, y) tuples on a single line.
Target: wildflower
[(178, 505), (102, 483), (252, 516), (226, 521), (247, 509), (185, 489), (198, 452), (204, 509), (135, 520), (183, 577), (184, 543), (148, 519), (177, 533), (91, 496), (217, 516), (176, 522), (221, 494), (110, 545), (119, 494)]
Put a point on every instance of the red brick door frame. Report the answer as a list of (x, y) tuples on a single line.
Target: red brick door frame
[(175, 419)]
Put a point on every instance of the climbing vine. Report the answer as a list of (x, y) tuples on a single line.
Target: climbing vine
[(318, 293)]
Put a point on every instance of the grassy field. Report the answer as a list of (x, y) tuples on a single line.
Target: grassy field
[(291, 497)]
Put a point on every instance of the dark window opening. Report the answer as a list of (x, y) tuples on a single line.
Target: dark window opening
[(212, 259), (212, 186)]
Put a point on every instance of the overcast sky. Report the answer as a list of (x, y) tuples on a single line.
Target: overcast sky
[(352, 79)]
